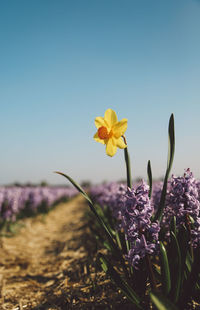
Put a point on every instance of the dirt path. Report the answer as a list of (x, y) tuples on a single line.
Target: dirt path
[(51, 264), (40, 265)]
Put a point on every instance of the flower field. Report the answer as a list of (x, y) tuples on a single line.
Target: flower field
[(151, 231), (99, 165), (144, 237), (131, 211), (17, 202)]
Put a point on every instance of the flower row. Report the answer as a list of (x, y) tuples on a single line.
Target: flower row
[(134, 211), (15, 201)]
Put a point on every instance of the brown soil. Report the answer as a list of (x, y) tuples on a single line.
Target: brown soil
[(50, 264)]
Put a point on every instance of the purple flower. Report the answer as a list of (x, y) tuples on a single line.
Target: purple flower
[(183, 201), (139, 249), (15, 200), (137, 211), (136, 222), (111, 195)]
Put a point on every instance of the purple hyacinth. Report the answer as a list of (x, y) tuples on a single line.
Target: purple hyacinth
[(137, 211), (136, 222), (116, 199), (139, 249), (111, 195), (183, 201), (14, 200)]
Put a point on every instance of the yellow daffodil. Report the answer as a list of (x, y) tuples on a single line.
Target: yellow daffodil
[(110, 131)]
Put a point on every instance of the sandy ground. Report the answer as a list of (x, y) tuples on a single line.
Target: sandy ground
[(51, 264), (41, 264)]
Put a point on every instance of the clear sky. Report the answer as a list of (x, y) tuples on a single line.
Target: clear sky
[(62, 63)]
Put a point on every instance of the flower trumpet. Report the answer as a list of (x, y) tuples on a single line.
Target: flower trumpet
[(110, 131)]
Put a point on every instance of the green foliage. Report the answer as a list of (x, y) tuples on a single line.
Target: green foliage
[(149, 174), (175, 267), (165, 272), (128, 168), (171, 150), (161, 302), (168, 280), (119, 281)]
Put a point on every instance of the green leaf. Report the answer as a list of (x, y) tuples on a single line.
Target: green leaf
[(192, 280), (76, 185), (119, 281), (173, 225), (104, 265), (107, 245), (93, 209), (128, 167), (149, 173), (118, 240), (189, 262), (165, 271), (175, 267), (161, 302), (108, 233), (171, 149), (191, 219), (183, 241)]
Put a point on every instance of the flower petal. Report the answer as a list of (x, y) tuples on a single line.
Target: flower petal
[(120, 128), (110, 117), (111, 148), (96, 138), (120, 143), (99, 122)]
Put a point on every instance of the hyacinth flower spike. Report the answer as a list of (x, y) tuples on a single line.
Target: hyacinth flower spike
[(110, 132)]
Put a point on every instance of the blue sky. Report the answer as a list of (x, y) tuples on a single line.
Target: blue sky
[(65, 62)]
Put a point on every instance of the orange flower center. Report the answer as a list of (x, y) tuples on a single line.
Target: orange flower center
[(103, 133)]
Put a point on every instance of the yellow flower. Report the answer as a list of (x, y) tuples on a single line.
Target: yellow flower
[(110, 131)]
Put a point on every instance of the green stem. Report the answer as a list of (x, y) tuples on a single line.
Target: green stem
[(128, 167), (128, 177), (188, 225), (150, 271), (127, 246), (118, 239)]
